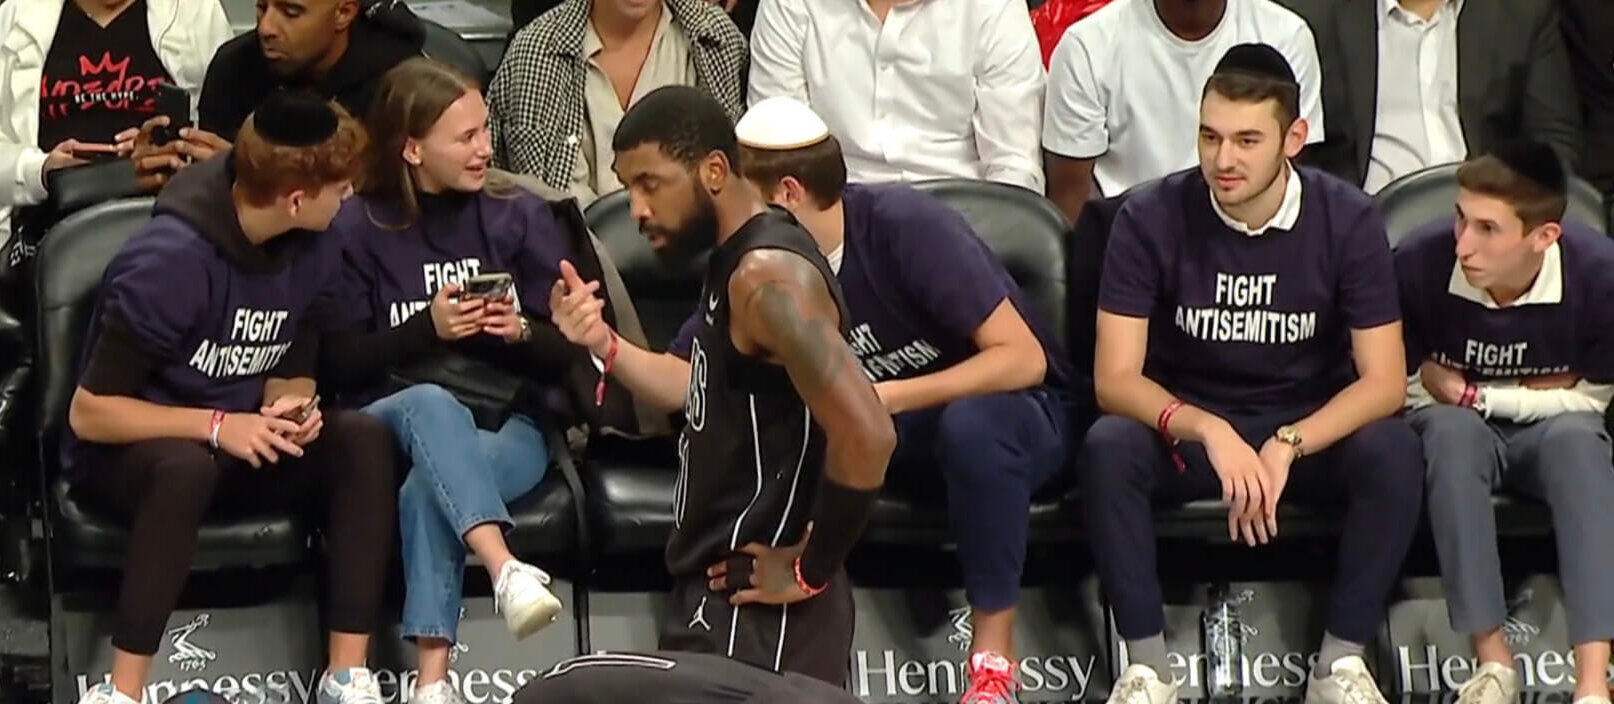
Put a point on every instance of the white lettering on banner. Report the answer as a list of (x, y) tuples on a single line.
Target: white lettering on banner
[(1427, 670), (885, 675), (1267, 669), (477, 686)]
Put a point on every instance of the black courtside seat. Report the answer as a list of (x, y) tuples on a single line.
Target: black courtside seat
[(72, 258), (629, 484), (447, 46), (1421, 197), (1027, 234)]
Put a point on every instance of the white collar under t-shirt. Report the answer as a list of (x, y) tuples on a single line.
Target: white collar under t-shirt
[(1288, 211)]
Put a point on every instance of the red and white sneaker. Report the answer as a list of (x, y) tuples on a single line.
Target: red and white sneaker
[(991, 680)]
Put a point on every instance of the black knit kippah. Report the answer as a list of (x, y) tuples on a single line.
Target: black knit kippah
[(1256, 60), (294, 119), (1535, 161)]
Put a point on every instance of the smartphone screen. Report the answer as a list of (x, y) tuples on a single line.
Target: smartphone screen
[(492, 286)]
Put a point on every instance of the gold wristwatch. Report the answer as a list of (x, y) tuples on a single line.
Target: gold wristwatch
[(1290, 435)]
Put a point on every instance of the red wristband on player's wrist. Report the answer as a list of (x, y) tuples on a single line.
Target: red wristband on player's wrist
[(605, 369), (1163, 424), (801, 582)]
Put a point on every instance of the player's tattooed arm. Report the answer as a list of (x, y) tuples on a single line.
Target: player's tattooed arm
[(783, 311)]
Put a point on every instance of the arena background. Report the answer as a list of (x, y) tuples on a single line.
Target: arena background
[(255, 637)]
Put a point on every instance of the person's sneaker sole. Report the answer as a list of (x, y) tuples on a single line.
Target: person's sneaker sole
[(523, 621)]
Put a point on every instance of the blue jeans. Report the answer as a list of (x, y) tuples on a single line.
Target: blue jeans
[(462, 478)]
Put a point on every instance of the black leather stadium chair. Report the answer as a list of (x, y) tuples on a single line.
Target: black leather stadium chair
[(1027, 233), (629, 484), (445, 45), (1419, 198)]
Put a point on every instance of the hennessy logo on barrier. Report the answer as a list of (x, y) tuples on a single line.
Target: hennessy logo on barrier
[(963, 631), (1514, 630), (188, 656)]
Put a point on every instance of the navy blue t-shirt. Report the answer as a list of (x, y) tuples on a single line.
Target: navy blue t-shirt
[(1574, 334), (217, 330), (1250, 324), (393, 273), (918, 283)]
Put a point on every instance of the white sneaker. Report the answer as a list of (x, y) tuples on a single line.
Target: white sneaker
[(1593, 699), (1348, 683), (354, 685), (1493, 683), (521, 593), (105, 693), (436, 693), (1140, 684)]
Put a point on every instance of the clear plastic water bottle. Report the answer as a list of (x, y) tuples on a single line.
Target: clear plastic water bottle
[(1223, 634)]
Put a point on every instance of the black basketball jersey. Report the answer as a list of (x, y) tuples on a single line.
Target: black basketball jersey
[(751, 455)]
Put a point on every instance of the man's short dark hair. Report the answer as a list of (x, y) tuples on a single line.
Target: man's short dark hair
[(684, 121), (820, 168), (1528, 175)]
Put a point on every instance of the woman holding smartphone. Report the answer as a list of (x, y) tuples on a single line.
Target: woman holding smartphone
[(447, 267)]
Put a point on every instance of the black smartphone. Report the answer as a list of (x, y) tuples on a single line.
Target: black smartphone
[(174, 102), (300, 415), (492, 286)]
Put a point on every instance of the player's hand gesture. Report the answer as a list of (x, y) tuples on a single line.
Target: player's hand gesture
[(578, 313), (772, 577), (1244, 485)]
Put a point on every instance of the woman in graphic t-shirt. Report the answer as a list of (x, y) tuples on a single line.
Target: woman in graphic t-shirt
[(197, 392), (467, 367), (96, 64)]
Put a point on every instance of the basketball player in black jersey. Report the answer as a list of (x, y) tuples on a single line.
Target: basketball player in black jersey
[(783, 426), (672, 678)]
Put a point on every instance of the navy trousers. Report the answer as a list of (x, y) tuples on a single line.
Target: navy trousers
[(1376, 473), (992, 453)]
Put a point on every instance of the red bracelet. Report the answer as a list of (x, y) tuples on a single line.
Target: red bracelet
[(1164, 426), (605, 369), (801, 582), (1470, 392), (213, 426)]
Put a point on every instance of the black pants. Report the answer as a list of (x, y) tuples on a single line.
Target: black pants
[(161, 490), (672, 678), (1376, 473), (813, 637)]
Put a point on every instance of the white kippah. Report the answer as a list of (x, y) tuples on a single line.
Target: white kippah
[(780, 123)]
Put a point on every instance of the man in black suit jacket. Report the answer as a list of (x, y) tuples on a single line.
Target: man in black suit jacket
[(1513, 77)]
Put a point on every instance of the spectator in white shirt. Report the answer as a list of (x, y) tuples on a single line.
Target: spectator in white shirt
[(1124, 88), (915, 90)]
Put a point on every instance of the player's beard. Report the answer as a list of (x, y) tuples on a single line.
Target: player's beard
[(695, 236), (1272, 181)]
